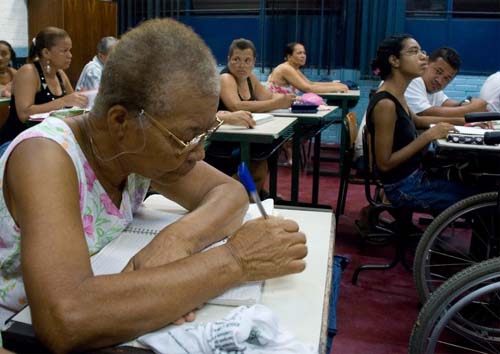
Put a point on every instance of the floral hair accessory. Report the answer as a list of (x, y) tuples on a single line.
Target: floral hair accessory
[(376, 71), (34, 41)]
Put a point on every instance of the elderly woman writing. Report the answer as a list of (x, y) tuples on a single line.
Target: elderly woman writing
[(96, 169)]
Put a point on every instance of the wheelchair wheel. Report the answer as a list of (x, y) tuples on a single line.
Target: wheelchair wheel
[(463, 315), (462, 235)]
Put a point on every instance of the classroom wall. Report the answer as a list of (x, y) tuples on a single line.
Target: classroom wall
[(14, 29), (14, 25)]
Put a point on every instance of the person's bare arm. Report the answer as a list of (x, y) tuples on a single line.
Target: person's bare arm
[(384, 118), (424, 122), (26, 85), (72, 309), (305, 85), (209, 195), (229, 95), (452, 108)]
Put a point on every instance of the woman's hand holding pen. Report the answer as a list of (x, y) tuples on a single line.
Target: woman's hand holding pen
[(268, 248)]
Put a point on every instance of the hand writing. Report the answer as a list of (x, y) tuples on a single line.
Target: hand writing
[(268, 248)]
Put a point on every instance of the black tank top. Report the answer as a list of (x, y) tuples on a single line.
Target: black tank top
[(222, 106), (404, 133), (13, 126)]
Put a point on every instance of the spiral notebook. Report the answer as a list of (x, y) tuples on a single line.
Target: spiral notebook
[(146, 224)]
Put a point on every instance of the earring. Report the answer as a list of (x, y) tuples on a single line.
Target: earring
[(47, 66)]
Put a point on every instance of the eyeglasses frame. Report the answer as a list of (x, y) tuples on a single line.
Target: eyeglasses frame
[(184, 145)]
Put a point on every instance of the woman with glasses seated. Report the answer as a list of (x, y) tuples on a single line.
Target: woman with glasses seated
[(242, 91), (398, 149), (288, 78), (72, 185)]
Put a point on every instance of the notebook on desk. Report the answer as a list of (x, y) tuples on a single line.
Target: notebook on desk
[(261, 118), (115, 256)]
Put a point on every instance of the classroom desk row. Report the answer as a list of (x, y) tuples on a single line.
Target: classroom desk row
[(298, 125), (284, 125), (289, 297)]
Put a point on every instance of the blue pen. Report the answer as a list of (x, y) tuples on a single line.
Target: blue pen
[(247, 181)]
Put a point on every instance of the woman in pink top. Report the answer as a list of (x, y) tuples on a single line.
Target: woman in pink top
[(287, 77)]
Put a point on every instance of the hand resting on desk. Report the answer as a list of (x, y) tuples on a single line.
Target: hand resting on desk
[(241, 118)]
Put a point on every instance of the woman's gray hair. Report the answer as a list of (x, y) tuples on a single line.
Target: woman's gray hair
[(155, 66)]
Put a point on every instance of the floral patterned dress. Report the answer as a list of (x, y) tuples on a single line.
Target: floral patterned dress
[(102, 220), (285, 90)]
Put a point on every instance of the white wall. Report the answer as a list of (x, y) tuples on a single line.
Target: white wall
[(14, 25)]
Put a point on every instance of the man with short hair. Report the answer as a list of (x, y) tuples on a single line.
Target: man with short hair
[(90, 77), (425, 95)]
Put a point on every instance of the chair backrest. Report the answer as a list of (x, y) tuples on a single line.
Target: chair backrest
[(375, 197), (352, 123)]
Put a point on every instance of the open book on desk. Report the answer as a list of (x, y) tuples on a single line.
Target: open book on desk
[(145, 226)]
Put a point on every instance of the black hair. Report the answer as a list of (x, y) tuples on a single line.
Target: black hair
[(242, 44), (290, 47), (449, 55), (12, 52), (389, 46), (46, 38)]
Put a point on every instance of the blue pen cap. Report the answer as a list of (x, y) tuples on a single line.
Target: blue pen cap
[(246, 178)]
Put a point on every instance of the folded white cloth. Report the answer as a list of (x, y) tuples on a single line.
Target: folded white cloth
[(245, 330)]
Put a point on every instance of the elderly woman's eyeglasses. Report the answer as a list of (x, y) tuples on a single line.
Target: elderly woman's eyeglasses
[(185, 145)]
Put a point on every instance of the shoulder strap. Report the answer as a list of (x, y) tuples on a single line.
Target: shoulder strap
[(40, 71), (250, 88), (61, 82)]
